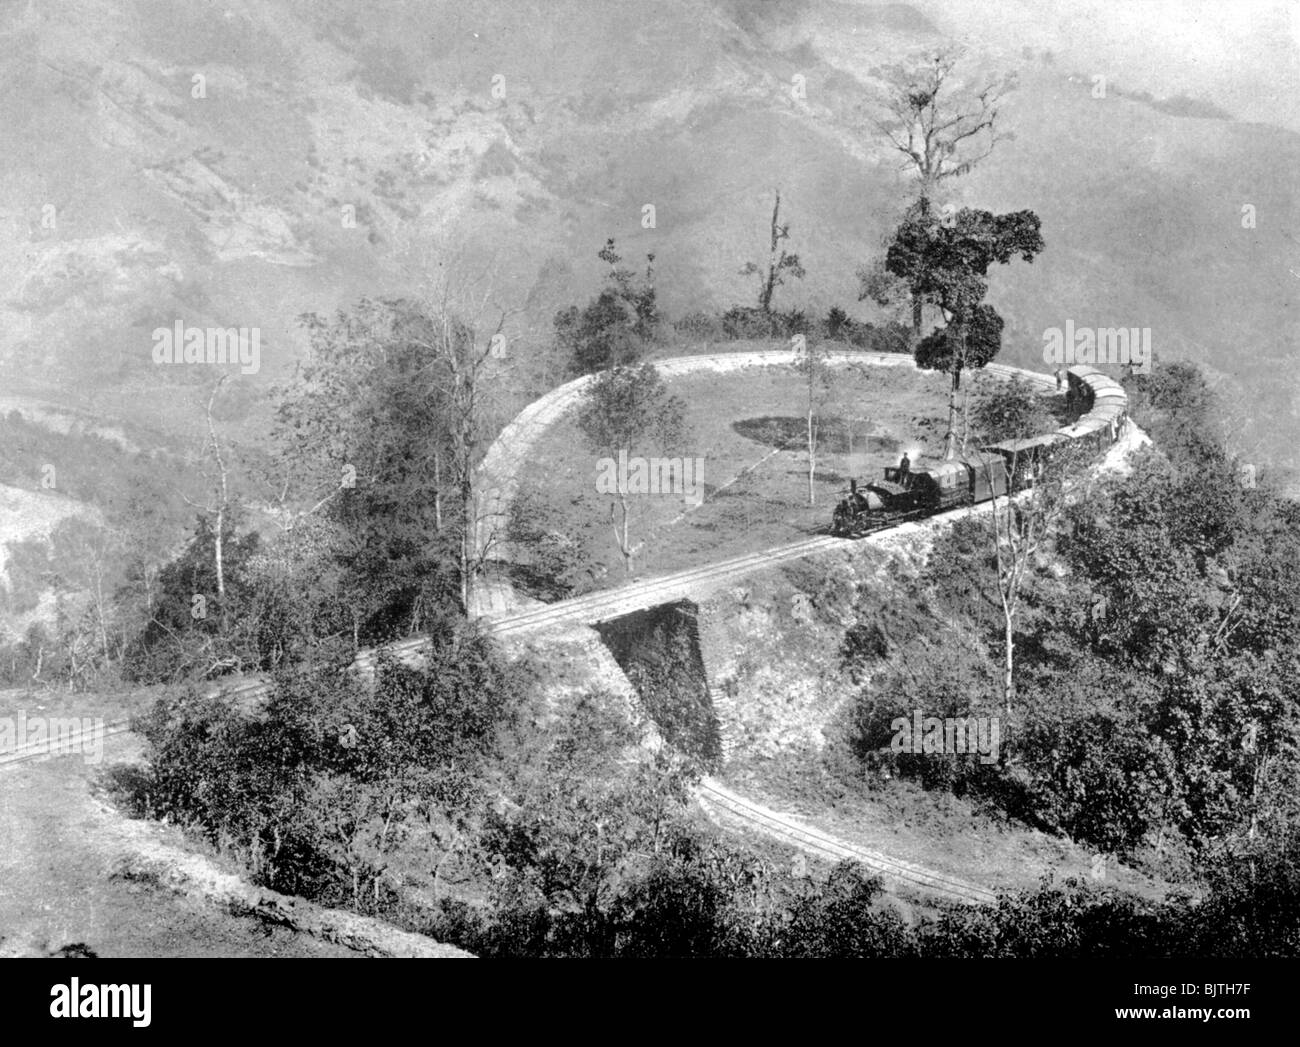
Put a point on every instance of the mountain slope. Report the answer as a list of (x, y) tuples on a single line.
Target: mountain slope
[(232, 209)]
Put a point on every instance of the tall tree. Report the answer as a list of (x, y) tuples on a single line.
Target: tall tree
[(218, 504), (943, 125), (1022, 524), (384, 425), (779, 262), (946, 264)]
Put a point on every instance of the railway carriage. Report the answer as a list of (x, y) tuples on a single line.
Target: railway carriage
[(1024, 459)]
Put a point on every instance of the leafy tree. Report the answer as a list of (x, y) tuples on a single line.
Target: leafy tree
[(1011, 410), (382, 428), (186, 633), (1102, 778), (622, 409), (947, 265), (318, 787), (613, 329), (839, 918), (588, 816), (946, 680), (557, 562), (1174, 404)]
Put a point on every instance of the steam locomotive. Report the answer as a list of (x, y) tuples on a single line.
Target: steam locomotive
[(1001, 468)]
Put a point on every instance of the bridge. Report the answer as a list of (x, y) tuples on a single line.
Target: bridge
[(507, 613)]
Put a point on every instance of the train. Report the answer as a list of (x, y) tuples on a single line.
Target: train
[(1001, 468)]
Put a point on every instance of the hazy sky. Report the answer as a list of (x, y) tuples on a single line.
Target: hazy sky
[(1242, 54)]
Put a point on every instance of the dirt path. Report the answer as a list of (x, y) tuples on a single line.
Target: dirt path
[(61, 853)]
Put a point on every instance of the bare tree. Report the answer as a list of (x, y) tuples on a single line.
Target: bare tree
[(810, 359), (778, 261), (217, 504), (1021, 524), (942, 125), (468, 359)]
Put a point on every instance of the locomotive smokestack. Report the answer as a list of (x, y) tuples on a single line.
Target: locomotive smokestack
[(853, 486)]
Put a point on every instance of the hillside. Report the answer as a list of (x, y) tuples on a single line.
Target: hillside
[(151, 205)]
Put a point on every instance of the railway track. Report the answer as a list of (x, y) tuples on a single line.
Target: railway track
[(711, 793), (592, 608), (596, 607), (812, 841), (76, 742), (69, 743)]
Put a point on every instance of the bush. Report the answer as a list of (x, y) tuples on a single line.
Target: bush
[(838, 326), (744, 322), (701, 327)]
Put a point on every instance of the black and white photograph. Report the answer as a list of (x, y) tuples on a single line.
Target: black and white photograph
[(650, 479)]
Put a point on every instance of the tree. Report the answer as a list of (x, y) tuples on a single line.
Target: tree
[(557, 561), (1021, 524), (947, 265), (218, 506), (615, 327), (1011, 410), (810, 359), (383, 427), (181, 638), (621, 408), (318, 789), (779, 263), (590, 812), (941, 125)]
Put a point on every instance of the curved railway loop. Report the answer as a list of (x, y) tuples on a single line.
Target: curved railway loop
[(1103, 422)]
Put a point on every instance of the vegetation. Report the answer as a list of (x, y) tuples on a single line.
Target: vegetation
[(616, 327), (1156, 674), (1134, 641), (629, 412), (946, 264), (942, 126), (779, 261)]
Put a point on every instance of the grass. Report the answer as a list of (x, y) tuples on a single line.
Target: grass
[(119, 703), (748, 426)]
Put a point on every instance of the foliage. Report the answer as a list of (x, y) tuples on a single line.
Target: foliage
[(316, 790), (1011, 410), (629, 404), (945, 263), (942, 126), (615, 328), (380, 431), (744, 322)]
